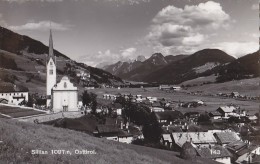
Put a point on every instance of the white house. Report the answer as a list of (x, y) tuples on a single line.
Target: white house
[(64, 96), (13, 94)]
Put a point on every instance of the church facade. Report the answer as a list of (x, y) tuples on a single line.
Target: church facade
[(63, 96)]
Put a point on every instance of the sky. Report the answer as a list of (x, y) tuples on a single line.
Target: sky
[(106, 31)]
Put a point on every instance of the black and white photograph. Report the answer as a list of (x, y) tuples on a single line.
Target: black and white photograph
[(129, 81)]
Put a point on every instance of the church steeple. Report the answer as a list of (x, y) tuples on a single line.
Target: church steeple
[(51, 54), (50, 72)]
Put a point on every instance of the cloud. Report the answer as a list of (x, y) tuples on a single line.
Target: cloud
[(209, 14), (255, 7), (109, 57), (237, 49), (128, 53), (41, 26), (2, 21), (184, 30)]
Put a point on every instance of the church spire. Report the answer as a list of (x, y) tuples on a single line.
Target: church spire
[(51, 54)]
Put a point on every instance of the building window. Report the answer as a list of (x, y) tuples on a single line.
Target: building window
[(65, 85), (51, 72), (51, 63)]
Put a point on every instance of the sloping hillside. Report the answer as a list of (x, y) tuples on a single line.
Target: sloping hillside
[(245, 67), (185, 69), (20, 138), (23, 60)]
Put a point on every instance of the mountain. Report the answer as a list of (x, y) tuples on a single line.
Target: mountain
[(23, 61), (121, 68), (171, 58), (140, 67), (245, 67), (189, 67)]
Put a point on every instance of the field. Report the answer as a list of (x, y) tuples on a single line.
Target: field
[(19, 138), (248, 87), (16, 112)]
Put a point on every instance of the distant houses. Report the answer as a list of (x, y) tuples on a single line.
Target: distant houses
[(169, 88)]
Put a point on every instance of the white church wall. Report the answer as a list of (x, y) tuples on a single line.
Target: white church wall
[(65, 96)]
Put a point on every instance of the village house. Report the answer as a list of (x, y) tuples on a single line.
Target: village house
[(112, 132), (216, 153), (243, 152), (224, 138), (13, 94), (169, 87), (215, 115), (168, 116), (200, 139), (166, 140), (192, 115), (82, 74), (225, 111), (235, 94)]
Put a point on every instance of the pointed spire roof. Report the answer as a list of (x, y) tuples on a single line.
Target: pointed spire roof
[(51, 53)]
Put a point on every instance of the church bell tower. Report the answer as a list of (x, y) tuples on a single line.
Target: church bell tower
[(50, 72)]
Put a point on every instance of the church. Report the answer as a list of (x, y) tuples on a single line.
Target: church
[(62, 96)]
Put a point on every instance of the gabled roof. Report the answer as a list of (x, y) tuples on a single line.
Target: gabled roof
[(227, 137), (195, 137), (248, 149), (236, 146), (213, 152), (215, 113), (169, 115), (107, 129), (227, 109)]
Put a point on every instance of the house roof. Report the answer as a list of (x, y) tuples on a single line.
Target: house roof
[(168, 115), (196, 137), (172, 129), (213, 152), (122, 133), (248, 149), (236, 146), (227, 137), (227, 109), (8, 88), (167, 137), (107, 128), (215, 113)]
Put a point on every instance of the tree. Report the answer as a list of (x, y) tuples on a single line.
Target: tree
[(152, 130), (204, 118), (90, 100)]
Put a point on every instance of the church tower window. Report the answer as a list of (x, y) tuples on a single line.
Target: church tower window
[(51, 72)]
